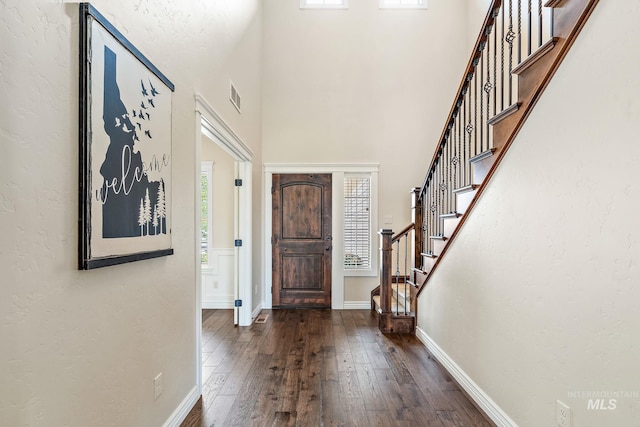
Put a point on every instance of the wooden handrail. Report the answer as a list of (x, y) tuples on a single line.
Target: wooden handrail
[(403, 232)]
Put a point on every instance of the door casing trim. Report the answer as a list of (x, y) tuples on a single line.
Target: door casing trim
[(337, 170)]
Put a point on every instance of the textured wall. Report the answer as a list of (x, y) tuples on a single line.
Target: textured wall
[(82, 348), (538, 297)]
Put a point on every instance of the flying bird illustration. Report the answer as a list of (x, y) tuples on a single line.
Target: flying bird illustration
[(144, 90), (141, 116), (150, 101), (142, 105), (125, 116), (139, 125), (135, 137), (154, 92), (126, 129), (134, 113), (148, 133), (117, 122), (148, 116)]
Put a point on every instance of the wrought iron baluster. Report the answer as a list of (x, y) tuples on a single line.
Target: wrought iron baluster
[(529, 27), (502, 40), (463, 151), (397, 274), (469, 129), (482, 92), (539, 23), (487, 89), (406, 270), (519, 32), (495, 63), (510, 38), (551, 19), (475, 109)]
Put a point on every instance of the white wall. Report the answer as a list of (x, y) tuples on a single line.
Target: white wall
[(82, 348), (362, 85), (538, 297)]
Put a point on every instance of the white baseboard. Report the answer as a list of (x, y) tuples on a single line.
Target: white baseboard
[(357, 305), (183, 409), (256, 311), (490, 407)]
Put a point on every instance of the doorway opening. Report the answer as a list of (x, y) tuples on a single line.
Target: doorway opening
[(215, 139)]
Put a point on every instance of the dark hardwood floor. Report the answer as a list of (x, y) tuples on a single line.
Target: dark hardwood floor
[(318, 367)]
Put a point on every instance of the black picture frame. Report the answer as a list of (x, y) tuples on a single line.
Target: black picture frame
[(125, 149)]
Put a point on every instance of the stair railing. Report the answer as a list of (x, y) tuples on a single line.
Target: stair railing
[(511, 31), (488, 92)]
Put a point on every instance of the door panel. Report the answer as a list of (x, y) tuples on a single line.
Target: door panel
[(302, 245)]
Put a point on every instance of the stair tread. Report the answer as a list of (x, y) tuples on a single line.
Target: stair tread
[(466, 188), (451, 215), (429, 255), (400, 311)]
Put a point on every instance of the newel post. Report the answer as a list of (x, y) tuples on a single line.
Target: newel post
[(386, 264), (417, 218)]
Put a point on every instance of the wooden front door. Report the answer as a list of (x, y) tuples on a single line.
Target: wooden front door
[(302, 244)]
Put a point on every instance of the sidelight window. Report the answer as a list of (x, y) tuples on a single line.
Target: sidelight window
[(357, 222)]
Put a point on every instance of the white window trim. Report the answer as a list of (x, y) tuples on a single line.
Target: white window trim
[(373, 259), (207, 169), (382, 4), (337, 265), (305, 5)]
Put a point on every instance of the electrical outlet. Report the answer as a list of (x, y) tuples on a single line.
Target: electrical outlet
[(563, 415), (157, 386)]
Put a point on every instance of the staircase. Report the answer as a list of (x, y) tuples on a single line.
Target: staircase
[(520, 46)]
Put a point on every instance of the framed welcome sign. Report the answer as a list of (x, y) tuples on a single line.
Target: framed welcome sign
[(125, 149)]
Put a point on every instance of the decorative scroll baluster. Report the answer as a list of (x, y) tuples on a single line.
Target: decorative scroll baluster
[(487, 89)]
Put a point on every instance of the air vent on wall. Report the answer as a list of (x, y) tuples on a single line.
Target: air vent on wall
[(234, 97)]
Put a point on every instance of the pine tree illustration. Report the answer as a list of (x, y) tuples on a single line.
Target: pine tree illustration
[(155, 219), (141, 217), (147, 210), (161, 206)]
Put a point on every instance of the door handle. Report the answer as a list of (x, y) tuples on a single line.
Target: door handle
[(328, 248)]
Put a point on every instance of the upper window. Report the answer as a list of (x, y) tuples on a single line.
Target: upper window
[(403, 4), (323, 4)]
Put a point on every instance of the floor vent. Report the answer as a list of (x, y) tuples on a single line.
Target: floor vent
[(262, 318)]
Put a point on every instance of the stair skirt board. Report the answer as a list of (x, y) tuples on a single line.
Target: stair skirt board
[(484, 402)]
